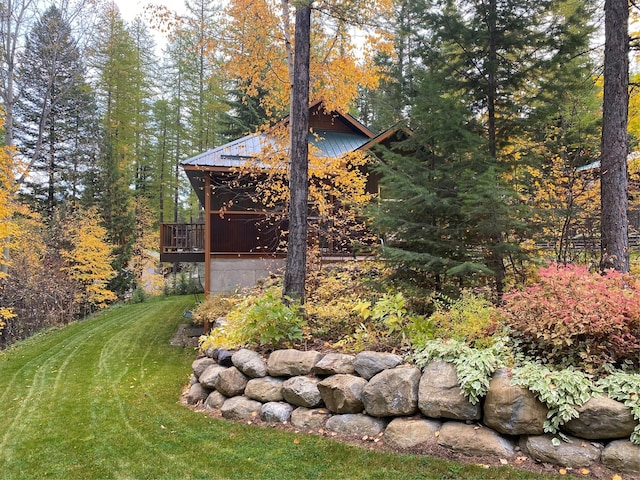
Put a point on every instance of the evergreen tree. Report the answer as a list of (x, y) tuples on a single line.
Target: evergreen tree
[(122, 92), (203, 85), (390, 102), (246, 114), (55, 116), (484, 67), (143, 93), (172, 136)]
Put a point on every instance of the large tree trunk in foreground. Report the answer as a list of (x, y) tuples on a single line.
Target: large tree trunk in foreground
[(613, 169), (294, 279)]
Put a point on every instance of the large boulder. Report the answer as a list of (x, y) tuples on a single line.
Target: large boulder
[(302, 392), (602, 418), (575, 453), (266, 389), (276, 412), (196, 393), (309, 418), (511, 409), (356, 424), (231, 382), (240, 408), (199, 365), (291, 363), (392, 392), (210, 376), (622, 456), (335, 363), (368, 364), (474, 440), (439, 394), (214, 401), (409, 432), (342, 393), (250, 363)]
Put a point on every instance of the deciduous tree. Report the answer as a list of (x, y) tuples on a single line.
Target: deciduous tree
[(7, 223), (88, 260)]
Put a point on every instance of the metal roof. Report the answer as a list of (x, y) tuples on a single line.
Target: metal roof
[(233, 154)]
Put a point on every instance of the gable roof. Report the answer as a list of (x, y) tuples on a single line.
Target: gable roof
[(332, 133)]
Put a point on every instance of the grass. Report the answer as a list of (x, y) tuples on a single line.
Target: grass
[(99, 400)]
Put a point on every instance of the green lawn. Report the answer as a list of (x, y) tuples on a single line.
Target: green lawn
[(99, 399)]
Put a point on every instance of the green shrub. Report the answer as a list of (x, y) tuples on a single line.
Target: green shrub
[(572, 317), (471, 319), (139, 295), (263, 321)]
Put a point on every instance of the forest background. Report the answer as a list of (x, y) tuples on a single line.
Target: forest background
[(503, 99)]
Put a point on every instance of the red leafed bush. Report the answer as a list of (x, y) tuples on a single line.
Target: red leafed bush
[(572, 317)]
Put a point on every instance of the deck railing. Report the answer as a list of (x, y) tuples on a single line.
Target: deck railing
[(182, 242)]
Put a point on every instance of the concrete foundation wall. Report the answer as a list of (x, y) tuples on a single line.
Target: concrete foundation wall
[(231, 274)]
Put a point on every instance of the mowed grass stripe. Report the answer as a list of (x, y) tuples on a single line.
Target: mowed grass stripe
[(37, 379), (104, 404)]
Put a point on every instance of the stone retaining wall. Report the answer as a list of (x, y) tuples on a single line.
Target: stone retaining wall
[(378, 395)]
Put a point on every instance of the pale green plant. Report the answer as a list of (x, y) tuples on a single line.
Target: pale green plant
[(625, 387), (474, 366), (390, 309), (562, 391)]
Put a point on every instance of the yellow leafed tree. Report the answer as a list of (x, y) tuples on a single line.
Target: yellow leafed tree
[(259, 43), (88, 260), (7, 225)]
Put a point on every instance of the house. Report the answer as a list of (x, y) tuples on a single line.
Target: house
[(241, 240)]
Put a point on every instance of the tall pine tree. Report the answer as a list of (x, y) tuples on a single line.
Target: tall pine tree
[(486, 63), (121, 88), (55, 121)]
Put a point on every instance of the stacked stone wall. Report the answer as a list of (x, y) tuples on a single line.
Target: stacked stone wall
[(378, 395)]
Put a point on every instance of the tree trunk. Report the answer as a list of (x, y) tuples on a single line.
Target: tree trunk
[(613, 170), (294, 279)]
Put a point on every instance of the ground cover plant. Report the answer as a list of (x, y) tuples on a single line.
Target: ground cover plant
[(98, 399)]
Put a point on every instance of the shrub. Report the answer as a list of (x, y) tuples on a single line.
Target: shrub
[(138, 295), (572, 317), (471, 319), (346, 308), (330, 300), (213, 308), (263, 321)]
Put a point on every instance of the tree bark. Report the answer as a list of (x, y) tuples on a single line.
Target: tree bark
[(294, 279), (613, 168)]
